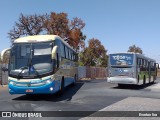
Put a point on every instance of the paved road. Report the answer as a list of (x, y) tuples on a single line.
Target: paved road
[(91, 95)]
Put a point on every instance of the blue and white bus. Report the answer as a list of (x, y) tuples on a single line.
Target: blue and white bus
[(131, 68), (41, 64)]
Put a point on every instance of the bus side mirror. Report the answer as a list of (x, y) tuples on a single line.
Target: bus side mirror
[(3, 53), (54, 52)]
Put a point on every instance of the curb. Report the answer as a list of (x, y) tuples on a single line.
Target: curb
[(3, 85)]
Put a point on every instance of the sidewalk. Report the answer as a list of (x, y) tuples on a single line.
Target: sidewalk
[(155, 87), (131, 104), (3, 87)]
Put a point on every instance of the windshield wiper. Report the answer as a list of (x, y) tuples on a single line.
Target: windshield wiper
[(22, 69), (30, 63)]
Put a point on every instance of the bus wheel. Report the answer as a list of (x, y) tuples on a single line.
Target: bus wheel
[(154, 78), (138, 79), (120, 85), (75, 79), (144, 80)]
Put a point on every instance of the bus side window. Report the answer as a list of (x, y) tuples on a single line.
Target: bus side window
[(72, 56), (76, 57), (155, 66), (62, 50), (66, 51), (151, 66), (69, 54), (138, 62), (141, 63), (144, 63)]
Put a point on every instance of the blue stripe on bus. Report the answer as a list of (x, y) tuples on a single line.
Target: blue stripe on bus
[(45, 89)]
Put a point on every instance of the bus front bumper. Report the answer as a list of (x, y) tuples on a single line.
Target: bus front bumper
[(44, 89), (122, 80)]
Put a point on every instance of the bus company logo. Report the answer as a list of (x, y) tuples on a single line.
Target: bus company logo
[(6, 114), (118, 57), (120, 70), (121, 57)]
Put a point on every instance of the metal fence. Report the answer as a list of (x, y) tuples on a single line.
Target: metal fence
[(92, 72)]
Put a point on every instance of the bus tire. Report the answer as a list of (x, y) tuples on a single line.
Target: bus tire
[(120, 85), (154, 78), (144, 80), (138, 79), (75, 80)]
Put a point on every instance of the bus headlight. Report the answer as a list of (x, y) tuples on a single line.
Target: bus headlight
[(12, 83), (48, 81), (51, 88)]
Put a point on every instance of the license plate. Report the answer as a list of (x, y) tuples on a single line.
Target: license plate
[(121, 75), (29, 91)]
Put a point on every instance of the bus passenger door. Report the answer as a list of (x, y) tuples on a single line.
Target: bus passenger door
[(149, 71)]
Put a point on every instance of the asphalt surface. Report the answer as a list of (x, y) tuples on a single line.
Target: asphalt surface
[(92, 95)]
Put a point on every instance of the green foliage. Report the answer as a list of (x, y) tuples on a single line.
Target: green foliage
[(135, 49), (94, 54)]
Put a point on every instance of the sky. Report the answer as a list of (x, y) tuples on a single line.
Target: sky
[(118, 24)]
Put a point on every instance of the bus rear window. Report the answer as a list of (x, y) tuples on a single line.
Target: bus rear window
[(121, 59)]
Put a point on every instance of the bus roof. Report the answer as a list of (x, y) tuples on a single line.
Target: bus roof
[(36, 38), (41, 38), (126, 53)]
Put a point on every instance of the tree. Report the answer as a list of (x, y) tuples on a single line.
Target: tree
[(135, 49), (57, 24), (94, 54), (76, 37), (53, 23), (27, 25), (71, 31)]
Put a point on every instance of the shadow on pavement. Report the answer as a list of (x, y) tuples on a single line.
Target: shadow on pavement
[(134, 87), (67, 95), (94, 81)]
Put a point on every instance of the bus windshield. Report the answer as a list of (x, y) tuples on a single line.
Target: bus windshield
[(31, 59), (121, 59)]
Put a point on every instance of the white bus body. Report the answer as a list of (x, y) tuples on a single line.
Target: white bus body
[(131, 68)]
